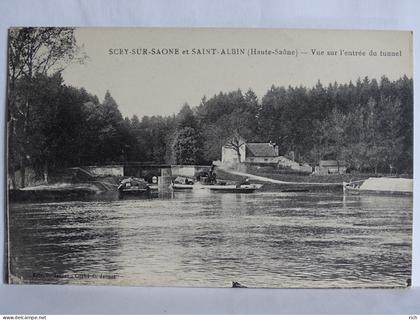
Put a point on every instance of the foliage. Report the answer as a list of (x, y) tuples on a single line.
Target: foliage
[(33, 53), (187, 146), (51, 126)]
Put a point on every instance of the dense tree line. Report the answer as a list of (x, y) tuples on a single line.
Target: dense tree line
[(369, 124), (67, 127)]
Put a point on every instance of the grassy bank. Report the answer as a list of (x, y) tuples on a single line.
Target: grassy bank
[(310, 178), (333, 183), (53, 192), (68, 187)]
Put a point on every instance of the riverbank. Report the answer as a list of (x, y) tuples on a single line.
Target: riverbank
[(67, 188), (74, 191), (287, 182), (80, 185)]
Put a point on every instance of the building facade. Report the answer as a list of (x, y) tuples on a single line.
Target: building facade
[(253, 153), (331, 167)]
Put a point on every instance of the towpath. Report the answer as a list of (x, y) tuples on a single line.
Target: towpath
[(265, 179)]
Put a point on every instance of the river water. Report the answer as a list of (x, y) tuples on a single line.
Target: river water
[(209, 240)]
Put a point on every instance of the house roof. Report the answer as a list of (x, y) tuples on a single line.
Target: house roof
[(261, 150)]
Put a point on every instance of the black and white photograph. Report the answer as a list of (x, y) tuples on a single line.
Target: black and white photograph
[(205, 157)]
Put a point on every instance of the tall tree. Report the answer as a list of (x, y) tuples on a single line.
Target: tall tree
[(186, 117), (235, 143), (188, 146), (32, 51)]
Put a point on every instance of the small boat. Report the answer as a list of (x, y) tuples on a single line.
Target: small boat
[(133, 187), (178, 186), (381, 186), (229, 188), (183, 183)]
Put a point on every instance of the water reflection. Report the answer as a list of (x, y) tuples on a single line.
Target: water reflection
[(202, 239)]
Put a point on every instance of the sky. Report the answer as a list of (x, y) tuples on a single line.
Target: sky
[(159, 84)]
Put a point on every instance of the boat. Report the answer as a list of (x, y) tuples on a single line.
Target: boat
[(381, 186), (229, 188), (184, 183), (133, 187), (178, 186)]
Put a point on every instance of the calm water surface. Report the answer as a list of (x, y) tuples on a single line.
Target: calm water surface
[(208, 240)]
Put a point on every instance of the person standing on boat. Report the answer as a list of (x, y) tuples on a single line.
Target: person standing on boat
[(212, 174)]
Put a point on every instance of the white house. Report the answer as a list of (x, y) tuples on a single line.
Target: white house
[(258, 153)]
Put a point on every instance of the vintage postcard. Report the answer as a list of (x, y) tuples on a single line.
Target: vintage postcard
[(262, 158)]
